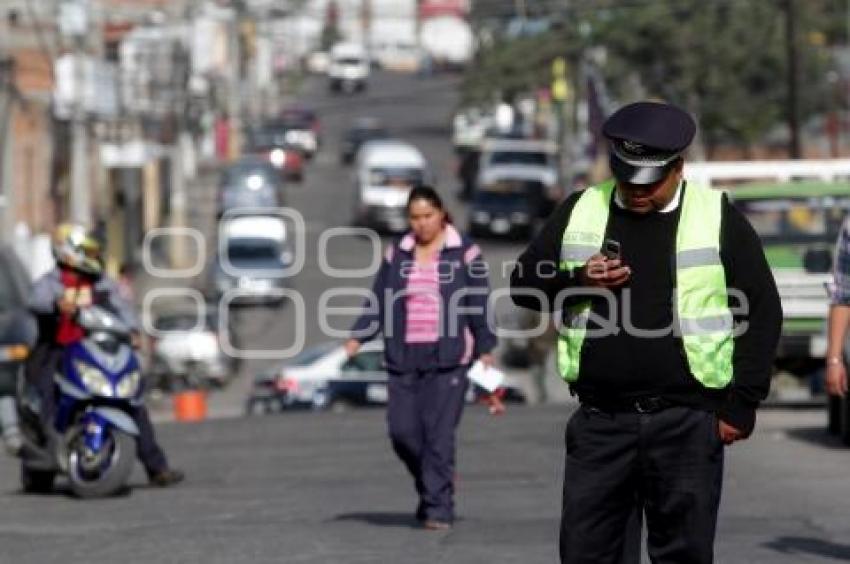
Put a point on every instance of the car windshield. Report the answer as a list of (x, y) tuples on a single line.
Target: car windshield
[(254, 252), (265, 138), (249, 175), (402, 177), (519, 158), (503, 198), (797, 220), (367, 134), (349, 61), (311, 355)]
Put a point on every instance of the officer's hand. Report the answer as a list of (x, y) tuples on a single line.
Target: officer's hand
[(836, 379), (728, 433), (351, 347), (602, 272)]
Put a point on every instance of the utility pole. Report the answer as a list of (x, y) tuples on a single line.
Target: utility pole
[(366, 21), (794, 145), (521, 9), (7, 91), (80, 189), (74, 21), (234, 105)]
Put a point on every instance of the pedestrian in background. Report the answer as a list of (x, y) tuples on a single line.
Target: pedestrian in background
[(668, 339), (839, 315), (429, 346)]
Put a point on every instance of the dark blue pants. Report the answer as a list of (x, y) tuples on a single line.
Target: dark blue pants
[(424, 410), (669, 462)]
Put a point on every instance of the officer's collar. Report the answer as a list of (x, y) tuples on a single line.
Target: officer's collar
[(674, 203)]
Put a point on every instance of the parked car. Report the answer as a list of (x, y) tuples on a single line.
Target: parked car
[(506, 205), (349, 68), (186, 352), (386, 172), (525, 159), (250, 182), (256, 252), (271, 143), (18, 332), (361, 132), (323, 377)]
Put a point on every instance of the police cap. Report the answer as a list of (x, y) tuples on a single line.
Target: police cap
[(646, 140)]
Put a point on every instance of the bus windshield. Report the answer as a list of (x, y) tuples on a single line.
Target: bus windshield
[(796, 220)]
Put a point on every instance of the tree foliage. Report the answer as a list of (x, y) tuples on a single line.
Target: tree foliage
[(725, 60)]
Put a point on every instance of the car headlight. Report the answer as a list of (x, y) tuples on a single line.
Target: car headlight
[(94, 379), (286, 257), (129, 385), (481, 217), (278, 157)]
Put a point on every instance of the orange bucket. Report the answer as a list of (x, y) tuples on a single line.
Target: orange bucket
[(190, 405)]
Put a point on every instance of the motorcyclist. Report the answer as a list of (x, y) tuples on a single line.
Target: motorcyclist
[(79, 281)]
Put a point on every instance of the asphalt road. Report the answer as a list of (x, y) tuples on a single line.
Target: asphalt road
[(326, 488), (415, 110)]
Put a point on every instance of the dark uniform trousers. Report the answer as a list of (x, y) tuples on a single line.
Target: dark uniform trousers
[(43, 366), (670, 461), (423, 412)]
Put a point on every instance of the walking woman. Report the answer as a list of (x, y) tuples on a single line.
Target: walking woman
[(429, 300)]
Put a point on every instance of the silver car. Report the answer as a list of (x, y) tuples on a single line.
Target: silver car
[(186, 351)]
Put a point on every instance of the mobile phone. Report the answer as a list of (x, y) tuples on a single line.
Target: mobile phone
[(611, 249)]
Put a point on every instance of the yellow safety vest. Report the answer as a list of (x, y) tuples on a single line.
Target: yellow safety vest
[(703, 318)]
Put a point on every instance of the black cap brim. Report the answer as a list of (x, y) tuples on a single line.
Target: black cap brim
[(631, 174)]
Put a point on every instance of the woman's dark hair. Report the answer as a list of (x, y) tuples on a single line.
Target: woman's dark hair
[(427, 193)]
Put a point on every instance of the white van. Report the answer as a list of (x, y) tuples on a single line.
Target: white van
[(253, 255), (386, 172), (349, 68)]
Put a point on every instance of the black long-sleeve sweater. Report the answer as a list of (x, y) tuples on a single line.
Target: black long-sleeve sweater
[(624, 365)]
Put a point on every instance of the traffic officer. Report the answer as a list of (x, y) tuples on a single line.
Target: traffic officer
[(670, 321)]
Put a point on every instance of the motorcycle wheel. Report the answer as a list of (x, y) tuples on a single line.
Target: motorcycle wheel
[(37, 481), (114, 476)]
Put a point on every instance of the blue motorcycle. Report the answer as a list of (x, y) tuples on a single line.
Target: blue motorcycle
[(93, 440)]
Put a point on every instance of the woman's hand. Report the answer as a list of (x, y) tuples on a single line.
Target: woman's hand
[(352, 346)]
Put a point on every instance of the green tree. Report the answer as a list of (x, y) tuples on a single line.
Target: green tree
[(725, 60)]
